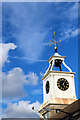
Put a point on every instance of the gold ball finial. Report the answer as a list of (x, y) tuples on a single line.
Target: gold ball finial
[(54, 33), (55, 48)]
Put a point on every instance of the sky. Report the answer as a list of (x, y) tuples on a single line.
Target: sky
[(27, 28)]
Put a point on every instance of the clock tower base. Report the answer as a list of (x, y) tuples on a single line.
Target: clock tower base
[(54, 105)]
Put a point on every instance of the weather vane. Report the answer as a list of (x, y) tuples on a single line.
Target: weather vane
[(55, 42)]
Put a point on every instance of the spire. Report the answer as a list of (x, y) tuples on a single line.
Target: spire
[(55, 42)]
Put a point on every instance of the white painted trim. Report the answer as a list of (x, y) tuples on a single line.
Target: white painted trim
[(66, 66)]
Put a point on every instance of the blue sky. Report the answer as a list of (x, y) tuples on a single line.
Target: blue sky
[(27, 29)]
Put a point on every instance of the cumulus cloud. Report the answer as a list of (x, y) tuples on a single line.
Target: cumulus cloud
[(13, 87), (14, 81), (4, 49), (32, 78), (23, 109)]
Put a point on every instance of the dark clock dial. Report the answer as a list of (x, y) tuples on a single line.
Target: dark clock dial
[(63, 84), (47, 87)]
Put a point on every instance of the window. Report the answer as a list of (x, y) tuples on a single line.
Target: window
[(78, 119), (46, 115), (57, 110)]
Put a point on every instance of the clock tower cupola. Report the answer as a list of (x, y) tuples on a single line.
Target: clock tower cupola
[(58, 86)]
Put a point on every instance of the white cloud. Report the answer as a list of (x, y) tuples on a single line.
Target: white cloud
[(37, 91), (70, 25), (32, 27), (4, 49), (0, 112), (74, 33), (32, 78), (41, 74), (23, 109), (14, 81), (28, 59), (72, 12), (70, 33)]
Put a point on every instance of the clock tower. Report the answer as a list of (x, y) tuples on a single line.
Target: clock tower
[(58, 86)]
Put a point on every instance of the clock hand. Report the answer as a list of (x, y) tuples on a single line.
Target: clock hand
[(63, 83)]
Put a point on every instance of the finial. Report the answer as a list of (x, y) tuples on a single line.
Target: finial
[(54, 33), (55, 42)]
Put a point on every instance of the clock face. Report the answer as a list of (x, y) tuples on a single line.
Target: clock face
[(47, 87), (63, 84)]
